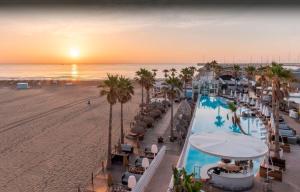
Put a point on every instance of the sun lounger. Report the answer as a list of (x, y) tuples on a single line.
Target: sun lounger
[(136, 170), (277, 162), (292, 140), (268, 172), (133, 136), (286, 148)]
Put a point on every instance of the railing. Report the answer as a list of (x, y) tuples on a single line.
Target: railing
[(150, 171)]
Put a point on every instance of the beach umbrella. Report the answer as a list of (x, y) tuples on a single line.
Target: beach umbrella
[(138, 130), (141, 123), (223, 91), (231, 93), (184, 123), (180, 127), (148, 119), (235, 94), (155, 113)]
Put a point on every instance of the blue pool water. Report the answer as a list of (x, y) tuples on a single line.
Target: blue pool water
[(212, 114)]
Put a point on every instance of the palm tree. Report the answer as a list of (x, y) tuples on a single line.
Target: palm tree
[(125, 92), (235, 119), (263, 79), (173, 72), (278, 75), (186, 76), (233, 108), (110, 89), (166, 71), (236, 73), (250, 72), (148, 84), (154, 72), (193, 70), (141, 79), (217, 70), (174, 86)]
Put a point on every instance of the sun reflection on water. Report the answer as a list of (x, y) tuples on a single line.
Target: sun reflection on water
[(74, 72)]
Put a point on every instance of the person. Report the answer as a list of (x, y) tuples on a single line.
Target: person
[(89, 102)]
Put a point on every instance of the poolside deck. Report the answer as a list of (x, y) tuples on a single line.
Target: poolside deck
[(290, 181)]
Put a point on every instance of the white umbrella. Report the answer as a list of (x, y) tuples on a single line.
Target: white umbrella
[(235, 94), (257, 104), (241, 97), (223, 91), (272, 121), (267, 112), (245, 98), (229, 145), (260, 107), (264, 110), (145, 163), (231, 93), (248, 100), (252, 102), (131, 181)]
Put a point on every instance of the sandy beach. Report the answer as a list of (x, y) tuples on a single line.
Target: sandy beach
[(51, 140)]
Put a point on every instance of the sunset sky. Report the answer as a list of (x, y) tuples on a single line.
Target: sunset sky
[(149, 36)]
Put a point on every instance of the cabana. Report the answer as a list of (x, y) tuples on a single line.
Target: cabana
[(23, 85), (233, 146)]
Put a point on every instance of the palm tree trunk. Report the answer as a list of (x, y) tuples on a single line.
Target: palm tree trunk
[(142, 108), (172, 119), (275, 111), (109, 138), (185, 90), (147, 96), (122, 128)]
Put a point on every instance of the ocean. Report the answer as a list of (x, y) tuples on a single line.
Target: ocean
[(78, 71)]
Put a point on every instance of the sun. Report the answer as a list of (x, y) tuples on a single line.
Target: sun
[(74, 52)]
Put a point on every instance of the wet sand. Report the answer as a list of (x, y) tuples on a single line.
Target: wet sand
[(51, 140)]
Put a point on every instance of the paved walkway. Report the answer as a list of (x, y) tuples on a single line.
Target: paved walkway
[(161, 128), (161, 179)]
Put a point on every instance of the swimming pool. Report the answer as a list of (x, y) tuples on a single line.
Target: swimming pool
[(211, 115)]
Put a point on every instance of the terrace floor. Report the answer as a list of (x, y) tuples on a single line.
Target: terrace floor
[(160, 128)]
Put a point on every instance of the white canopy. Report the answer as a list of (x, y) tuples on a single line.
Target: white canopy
[(229, 145), (241, 97)]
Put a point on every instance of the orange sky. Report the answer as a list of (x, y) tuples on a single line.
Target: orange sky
[(152, 36)]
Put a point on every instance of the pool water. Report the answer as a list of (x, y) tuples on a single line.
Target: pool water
[(211, 115)]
